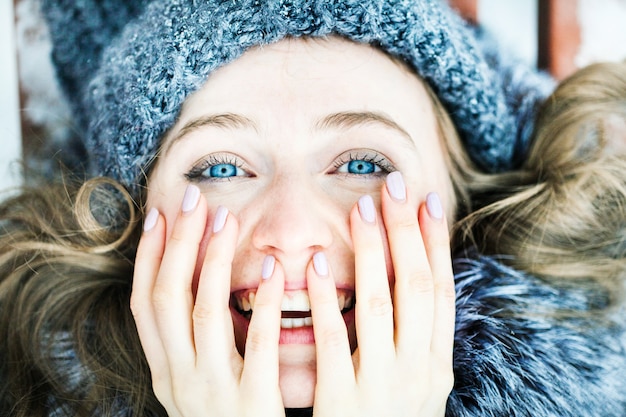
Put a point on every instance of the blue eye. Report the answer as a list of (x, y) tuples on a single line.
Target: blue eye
[(223, 171), (216, 168), (361, 167)]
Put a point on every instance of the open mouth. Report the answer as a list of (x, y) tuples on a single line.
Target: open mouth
[(296, 307)]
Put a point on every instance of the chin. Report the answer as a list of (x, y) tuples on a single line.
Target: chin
[(297, 375)]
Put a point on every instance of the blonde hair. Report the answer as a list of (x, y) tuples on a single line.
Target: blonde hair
[(561, 216), (66, 257)]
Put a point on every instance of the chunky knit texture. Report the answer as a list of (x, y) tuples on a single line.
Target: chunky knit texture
[(132, 65)]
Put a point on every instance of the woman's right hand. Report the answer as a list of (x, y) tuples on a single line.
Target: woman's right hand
[(189, 343)]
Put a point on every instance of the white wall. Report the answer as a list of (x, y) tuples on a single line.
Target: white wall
[(515, 24), (603, 31), (10, 133), (602, 28)]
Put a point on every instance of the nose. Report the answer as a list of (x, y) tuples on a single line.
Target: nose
[(293, 221)]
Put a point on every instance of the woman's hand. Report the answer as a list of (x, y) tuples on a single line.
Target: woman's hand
[(403, 363), (189, 344)]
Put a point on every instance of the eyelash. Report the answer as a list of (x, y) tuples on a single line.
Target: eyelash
[(368, 156), (197, 172)]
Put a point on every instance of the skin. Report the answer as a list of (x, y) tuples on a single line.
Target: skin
[(303, 110)]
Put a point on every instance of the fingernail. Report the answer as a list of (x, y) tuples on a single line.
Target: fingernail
[(396, 187), (433, 204), (220, 219), (320, 264), (268, 267), (151, 219), (367, 209), (191, 198)]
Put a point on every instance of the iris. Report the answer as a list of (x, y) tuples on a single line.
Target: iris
[(362, 167), (222, 171)]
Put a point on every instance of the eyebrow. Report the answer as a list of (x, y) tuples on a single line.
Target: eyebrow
[(350, 119), (340, 120), (224, 121)]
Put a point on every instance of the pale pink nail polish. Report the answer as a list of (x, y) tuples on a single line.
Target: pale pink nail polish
[(367, 209), (268, 267), (151, 220), (433, 205), (396, 186), (220, 219), (190, 199), (320, 264)]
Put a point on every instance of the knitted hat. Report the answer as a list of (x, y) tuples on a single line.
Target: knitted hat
[(146, 57)]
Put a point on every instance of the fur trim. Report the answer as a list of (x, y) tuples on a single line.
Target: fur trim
[(526, 348), (522, 348)]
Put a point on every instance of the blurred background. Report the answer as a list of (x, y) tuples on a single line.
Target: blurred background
[(558, 36)]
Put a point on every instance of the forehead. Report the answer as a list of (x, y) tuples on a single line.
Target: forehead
[(306, 72)]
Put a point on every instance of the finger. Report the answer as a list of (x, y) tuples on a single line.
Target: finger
[(147, 264), (212, 321), (260, 371), (435, 231), (172, 295), (335, 370), (374, 308), (414, 286)]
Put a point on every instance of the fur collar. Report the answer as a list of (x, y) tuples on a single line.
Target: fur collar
[(525, 348), (522, 348)]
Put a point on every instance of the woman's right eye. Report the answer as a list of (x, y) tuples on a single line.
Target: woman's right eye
[(216, 168)]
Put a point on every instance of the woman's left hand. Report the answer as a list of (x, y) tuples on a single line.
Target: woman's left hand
[(403, 363)]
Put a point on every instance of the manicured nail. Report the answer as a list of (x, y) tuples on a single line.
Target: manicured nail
[(151, 219), (220, 219), (191, 198), (268, 267), (433, 204), (396, 187), (367, 209), (320, 264)]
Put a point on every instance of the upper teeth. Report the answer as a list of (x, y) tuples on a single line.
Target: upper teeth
[(296, 301)]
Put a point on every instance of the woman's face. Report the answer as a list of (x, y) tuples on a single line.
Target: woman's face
[(288, 137)]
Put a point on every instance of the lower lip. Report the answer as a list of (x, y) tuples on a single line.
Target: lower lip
[(294, 336), (297, 336)]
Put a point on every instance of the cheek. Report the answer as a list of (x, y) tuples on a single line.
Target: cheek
[(167, 199)]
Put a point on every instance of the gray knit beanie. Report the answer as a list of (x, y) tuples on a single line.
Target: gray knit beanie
[(128, 66)]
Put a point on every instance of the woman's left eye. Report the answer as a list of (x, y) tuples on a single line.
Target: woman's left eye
[(359, 167), (363, 163)]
